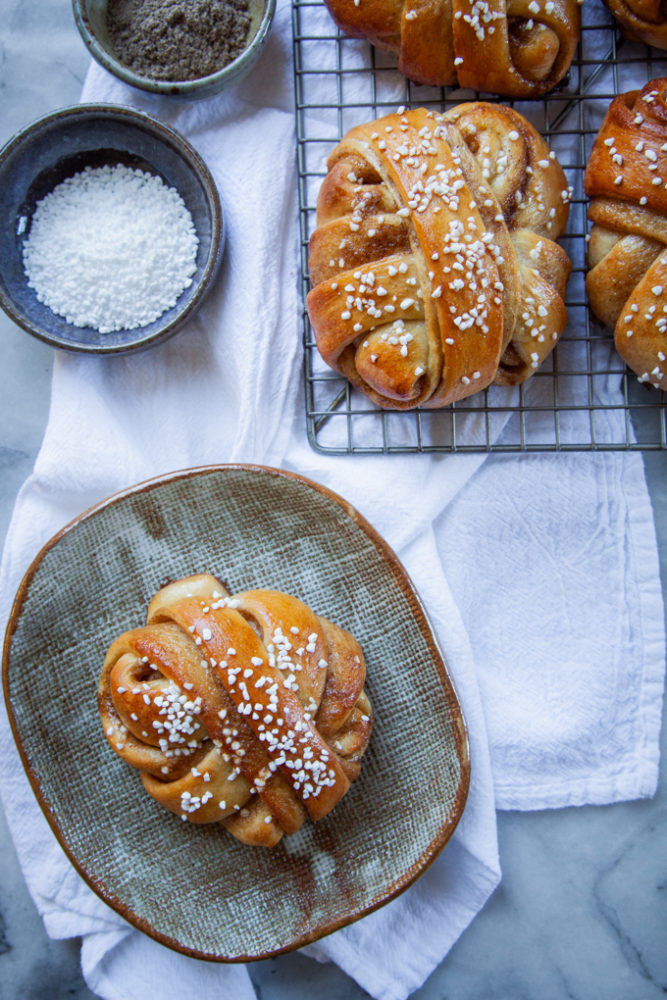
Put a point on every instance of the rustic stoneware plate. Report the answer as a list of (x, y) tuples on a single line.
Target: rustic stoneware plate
[(194, 888)]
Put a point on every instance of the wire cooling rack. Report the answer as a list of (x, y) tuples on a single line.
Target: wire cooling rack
[(583, 397)]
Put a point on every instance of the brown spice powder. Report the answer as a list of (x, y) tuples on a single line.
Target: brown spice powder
[(177, 39)]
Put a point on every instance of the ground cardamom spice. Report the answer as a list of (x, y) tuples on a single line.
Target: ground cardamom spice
[(177, 39)]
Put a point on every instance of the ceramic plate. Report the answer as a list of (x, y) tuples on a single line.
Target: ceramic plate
[(194, 888)]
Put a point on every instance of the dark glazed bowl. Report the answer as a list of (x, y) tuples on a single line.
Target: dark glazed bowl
[(60, 145), (91, 20)]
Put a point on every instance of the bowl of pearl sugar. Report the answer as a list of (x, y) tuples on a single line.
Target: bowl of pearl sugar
[(111, 230)]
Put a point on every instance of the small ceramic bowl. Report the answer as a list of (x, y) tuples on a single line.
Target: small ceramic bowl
[(91, 20), (64, 143)]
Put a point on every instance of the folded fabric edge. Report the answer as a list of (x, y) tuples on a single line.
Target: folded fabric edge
[(639, 783), (134, 967), (635, 776), (382, 981)]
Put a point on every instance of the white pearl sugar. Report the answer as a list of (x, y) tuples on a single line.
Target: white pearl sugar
[(110, 248)]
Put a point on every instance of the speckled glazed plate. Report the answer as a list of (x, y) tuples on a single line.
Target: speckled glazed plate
[(194, 888)]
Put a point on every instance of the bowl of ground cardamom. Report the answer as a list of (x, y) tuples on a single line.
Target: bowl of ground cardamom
[(111, 229), (187, 48)]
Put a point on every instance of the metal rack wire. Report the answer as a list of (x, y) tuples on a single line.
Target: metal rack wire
[(583, 398)]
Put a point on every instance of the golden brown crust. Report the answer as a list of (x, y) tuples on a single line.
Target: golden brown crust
[(243, 709), (616, 168), (519, 48), (433, 265), (642, 20), (626, 180)]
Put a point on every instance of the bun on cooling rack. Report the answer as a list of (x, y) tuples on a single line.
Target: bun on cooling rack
[(626, 180), (433, 264), (519, 48), (642, 20), (248, 710)]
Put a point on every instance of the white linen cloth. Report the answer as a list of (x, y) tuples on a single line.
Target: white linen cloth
[(539, 573)]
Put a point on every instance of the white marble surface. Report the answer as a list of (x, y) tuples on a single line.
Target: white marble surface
[(582, 908)]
